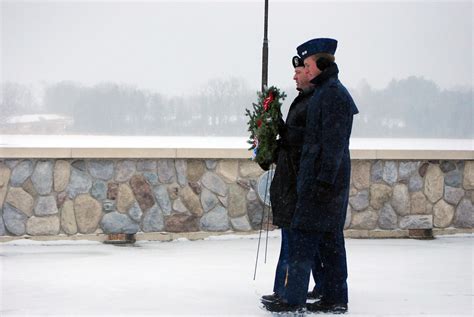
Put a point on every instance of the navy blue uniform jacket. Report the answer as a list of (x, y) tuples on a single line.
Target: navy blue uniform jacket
[(325, 167)]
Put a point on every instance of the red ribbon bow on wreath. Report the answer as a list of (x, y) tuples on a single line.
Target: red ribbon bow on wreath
[(267, 101)]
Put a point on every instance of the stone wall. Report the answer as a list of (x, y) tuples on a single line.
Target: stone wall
[(67, 197), (390, 195)]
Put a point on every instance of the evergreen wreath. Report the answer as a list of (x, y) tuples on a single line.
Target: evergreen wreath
[(263, 124)]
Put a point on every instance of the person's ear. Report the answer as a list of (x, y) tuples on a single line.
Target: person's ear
[(322, 63)]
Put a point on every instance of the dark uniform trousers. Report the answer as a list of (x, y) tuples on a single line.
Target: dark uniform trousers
[(303, 246), (282, 267)]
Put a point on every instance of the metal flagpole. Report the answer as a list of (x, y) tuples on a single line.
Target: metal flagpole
[(264, 85), (265, 49)]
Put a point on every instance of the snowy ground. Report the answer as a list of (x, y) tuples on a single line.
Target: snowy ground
[(214, 277)]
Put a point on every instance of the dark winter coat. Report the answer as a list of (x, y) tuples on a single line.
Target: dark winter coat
[(325, 166), (283, 187)]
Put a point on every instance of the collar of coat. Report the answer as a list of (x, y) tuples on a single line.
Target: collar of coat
[(306, 91), (329, 72)]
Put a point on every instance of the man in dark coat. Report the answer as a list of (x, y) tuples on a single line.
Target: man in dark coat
[(283, 188), (322, 186)]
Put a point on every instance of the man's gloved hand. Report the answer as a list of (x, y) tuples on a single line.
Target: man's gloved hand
[(281, 143), (265, 165), (282, 129)]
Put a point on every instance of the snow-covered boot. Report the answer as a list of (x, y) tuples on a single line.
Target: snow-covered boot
[(325, 307), (269, 298), (279, 306)]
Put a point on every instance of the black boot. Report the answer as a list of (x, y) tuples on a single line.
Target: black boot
[(325, 307), (314, 294), (269, 298), (278, 306)]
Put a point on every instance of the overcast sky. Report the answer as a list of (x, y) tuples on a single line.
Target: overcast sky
[(176, 47)]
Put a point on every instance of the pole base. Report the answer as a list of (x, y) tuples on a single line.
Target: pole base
[(120, 238)]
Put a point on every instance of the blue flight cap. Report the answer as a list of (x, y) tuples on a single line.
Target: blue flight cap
[(315, 46), (297, 62)]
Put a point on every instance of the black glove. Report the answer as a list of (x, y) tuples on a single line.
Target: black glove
[(281, 143), (265, 165), (282, 129)]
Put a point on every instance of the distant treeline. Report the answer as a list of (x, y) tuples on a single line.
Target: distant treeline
[(412, 107)]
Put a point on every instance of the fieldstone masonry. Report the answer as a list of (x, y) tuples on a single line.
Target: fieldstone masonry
[(51, 197)]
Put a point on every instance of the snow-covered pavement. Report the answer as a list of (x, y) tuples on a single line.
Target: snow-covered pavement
[(214, 277)]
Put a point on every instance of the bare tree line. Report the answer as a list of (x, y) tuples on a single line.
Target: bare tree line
[(409, 108)]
